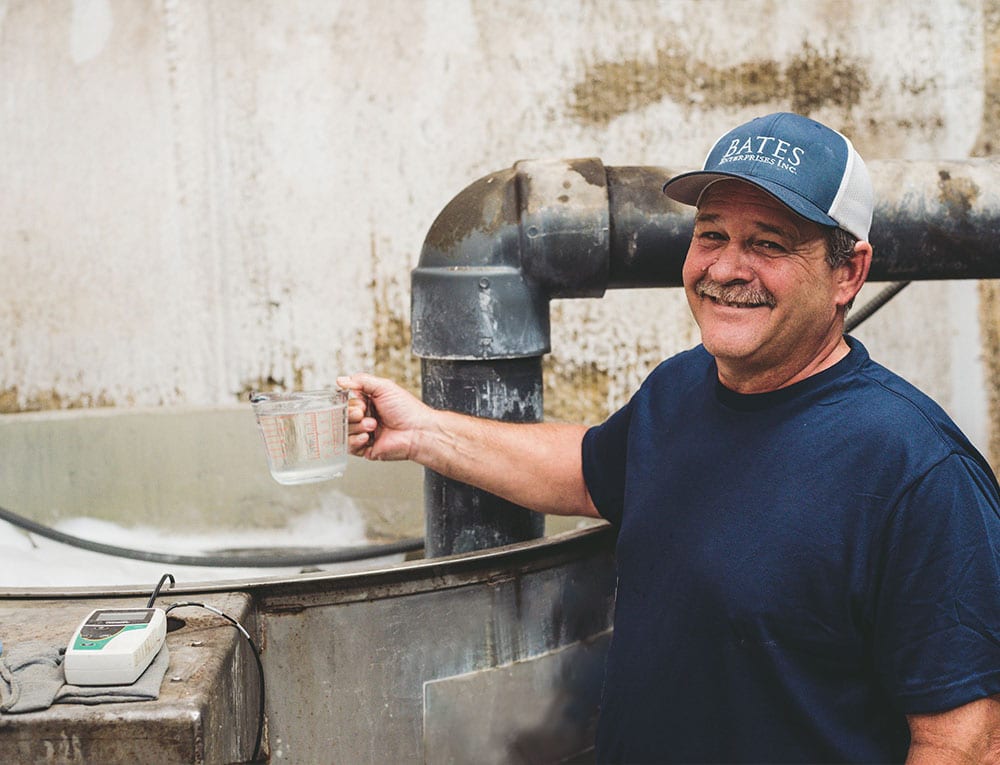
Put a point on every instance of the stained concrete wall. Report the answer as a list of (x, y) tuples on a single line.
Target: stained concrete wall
[(202, 197)]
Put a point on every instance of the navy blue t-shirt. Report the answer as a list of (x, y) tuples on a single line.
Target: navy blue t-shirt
[(797, 570)]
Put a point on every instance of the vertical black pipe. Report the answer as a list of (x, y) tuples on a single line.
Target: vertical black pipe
[(460, 518)]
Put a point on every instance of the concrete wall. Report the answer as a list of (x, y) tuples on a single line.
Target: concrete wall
[(203, 197)]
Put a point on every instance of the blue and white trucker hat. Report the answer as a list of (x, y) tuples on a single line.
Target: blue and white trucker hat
[(809, 167)]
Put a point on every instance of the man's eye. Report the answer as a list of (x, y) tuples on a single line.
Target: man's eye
[(768, 245)]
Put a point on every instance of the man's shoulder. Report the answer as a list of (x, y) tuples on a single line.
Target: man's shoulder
[(895, 399), (903, 418)]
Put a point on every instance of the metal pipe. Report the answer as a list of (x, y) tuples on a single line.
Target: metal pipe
[(515, 239), (460, 518), (936, 220)]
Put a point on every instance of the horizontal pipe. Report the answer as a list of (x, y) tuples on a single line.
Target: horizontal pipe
[(936, 219)]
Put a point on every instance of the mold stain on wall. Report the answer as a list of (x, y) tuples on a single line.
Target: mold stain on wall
[(11, 401), (989, 291), (272, 382), (392, 357), (391, 354), (575, 392), (989, 308), (808, 80)]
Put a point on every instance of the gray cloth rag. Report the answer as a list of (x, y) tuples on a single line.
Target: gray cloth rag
[(31, 678)]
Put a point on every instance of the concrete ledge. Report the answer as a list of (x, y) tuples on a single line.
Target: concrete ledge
[(206, 712)]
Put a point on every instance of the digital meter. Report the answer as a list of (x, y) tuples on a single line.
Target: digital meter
[(113, 646)]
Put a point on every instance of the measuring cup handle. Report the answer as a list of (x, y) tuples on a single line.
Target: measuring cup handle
[(370, 411)]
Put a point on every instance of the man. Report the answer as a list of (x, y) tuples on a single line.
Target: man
[(808, 549)]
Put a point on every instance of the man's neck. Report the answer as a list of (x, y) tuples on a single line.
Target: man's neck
[(741, 379)]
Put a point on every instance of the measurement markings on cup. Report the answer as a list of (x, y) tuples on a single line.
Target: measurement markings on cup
[(312, 430), (273, 428), (304, 433)]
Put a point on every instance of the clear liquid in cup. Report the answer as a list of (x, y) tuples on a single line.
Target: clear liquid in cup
[(305, 435)]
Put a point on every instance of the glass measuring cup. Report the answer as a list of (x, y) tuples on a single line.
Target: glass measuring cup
[(304, 434)]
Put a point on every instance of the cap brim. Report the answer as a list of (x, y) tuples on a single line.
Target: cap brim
[(687, 188)]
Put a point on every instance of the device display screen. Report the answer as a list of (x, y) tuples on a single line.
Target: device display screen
[(117, 617)]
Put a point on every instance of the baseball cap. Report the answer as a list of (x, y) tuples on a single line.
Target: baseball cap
[(807, 166)]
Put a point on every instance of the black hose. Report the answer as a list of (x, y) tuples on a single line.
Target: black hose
[(873, 305), (249, 559)]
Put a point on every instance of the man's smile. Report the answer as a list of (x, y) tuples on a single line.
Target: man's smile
[(734, 295)]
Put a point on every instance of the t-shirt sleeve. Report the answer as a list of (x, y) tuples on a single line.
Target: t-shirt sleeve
[(937, 619), (605, 451)]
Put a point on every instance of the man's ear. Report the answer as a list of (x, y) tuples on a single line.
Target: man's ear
[(852, 273)]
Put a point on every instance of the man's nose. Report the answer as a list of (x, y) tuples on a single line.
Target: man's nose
[(731, 263)]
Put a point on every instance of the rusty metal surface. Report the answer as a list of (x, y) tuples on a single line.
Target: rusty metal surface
[(206, 711), (936, 219), (460, 518), (511, 714), (564, 225), (346, 657), (347, 666)]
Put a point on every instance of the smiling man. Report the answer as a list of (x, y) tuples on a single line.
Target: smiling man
[(808, 549), (757, 285)]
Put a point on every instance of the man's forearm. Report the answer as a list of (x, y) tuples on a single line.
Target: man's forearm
[(535, 465), (967, 734)]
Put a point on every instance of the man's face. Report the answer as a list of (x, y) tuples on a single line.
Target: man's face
[(759, 286)]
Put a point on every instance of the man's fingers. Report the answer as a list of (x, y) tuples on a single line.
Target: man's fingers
[(358, 442), (363, 384)]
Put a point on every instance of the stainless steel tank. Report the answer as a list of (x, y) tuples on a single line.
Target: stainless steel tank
[(490, 656)]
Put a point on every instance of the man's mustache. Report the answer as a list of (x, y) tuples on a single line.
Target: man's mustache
[(735, 293)]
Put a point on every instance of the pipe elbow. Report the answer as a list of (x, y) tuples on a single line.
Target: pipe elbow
[(500, 250), (470, 299)]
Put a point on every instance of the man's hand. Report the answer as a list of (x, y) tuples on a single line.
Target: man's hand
[(535, 465), (384, 420)]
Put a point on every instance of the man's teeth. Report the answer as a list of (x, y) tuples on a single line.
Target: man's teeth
[(735, 304)]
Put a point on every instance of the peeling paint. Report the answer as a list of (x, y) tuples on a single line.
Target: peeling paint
[(9, 401), (814, 80), (392, 356), (986, 144), (299, 372), (809, 80)]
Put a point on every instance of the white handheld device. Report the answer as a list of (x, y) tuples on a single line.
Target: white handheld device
[(113, 646)]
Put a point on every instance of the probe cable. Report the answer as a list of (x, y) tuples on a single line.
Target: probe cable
[(250, 642)]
